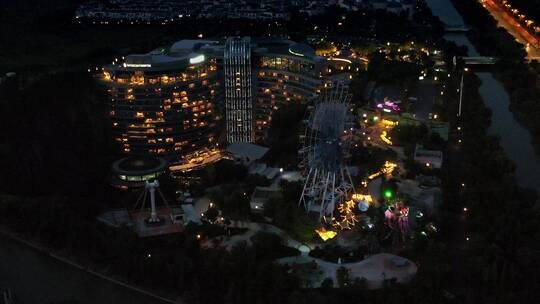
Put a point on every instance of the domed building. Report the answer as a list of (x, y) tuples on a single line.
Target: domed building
[(133, 172)]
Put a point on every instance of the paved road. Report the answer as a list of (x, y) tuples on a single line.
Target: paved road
[(507, 21), (36, 278)]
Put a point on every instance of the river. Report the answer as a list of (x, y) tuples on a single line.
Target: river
[(36, 278), (514, 138)]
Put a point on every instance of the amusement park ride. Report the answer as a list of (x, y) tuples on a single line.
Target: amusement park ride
[(156, 220), (150, 187), (328, 188), (328, 183)]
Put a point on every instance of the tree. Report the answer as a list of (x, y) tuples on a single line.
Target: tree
[(270, 246), (211, 214), (283, 135), (327, 283), (408, 134)]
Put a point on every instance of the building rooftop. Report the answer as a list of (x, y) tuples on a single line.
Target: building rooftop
[(247, 150), (285, 47), (181, 46), (266, 193), (139, 165), (181, 53)]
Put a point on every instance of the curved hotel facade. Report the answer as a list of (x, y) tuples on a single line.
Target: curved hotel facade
[(164, 102), (286, 72)]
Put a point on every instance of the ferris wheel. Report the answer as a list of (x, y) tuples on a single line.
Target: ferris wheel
[(325, 147)]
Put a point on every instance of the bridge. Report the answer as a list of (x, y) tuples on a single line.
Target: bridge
[(456, 29), (479, 60)]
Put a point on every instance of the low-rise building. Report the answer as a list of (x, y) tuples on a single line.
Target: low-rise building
[(246, 153), (261, 196), (428, 158)]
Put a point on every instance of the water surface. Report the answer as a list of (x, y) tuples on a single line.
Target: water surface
[(36, 278)]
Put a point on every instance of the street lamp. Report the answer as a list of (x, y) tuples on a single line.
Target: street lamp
[(460, 94), (465, 69)]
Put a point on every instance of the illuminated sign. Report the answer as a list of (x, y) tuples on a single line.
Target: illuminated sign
[(137, 65), (295, 53), (388, 106), (386, 138), (196, 59), (339, 59)]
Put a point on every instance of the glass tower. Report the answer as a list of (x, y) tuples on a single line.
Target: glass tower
[(238, 90)]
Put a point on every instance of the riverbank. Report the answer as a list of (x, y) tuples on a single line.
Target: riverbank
[(519, 78), (515, 139), (489, 231), (26, 264), (488, 213)]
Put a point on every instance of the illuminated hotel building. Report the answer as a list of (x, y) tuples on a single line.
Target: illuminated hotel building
[(164, 102), (238, 88), (286, 72), (170, 102)]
